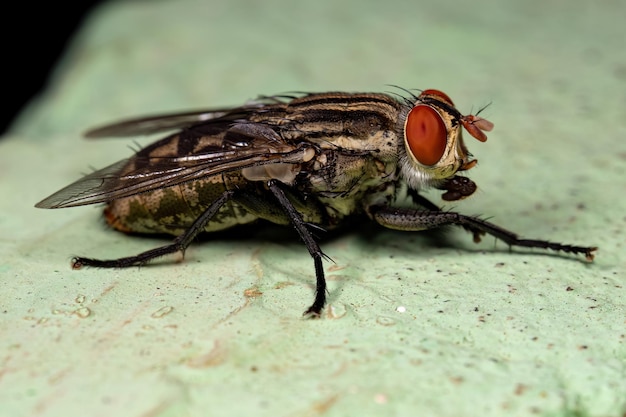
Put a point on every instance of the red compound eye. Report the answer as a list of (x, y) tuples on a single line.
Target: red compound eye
[(426, 134), (439, 94)]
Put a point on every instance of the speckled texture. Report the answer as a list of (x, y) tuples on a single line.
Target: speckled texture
[(414, 327)]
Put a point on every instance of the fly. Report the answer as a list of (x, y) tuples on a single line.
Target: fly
[(309, 160)]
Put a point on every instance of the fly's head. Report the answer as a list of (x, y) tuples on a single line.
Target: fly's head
[(434, 148)]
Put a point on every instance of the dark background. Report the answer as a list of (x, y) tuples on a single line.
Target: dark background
[(34, 37)]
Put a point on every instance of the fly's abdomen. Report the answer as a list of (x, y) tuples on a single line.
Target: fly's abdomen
[(172, 210)]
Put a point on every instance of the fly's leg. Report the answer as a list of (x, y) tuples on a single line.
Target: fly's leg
[(427, 204), (420, 200), (314, 249), (413, 220), (179, 244)]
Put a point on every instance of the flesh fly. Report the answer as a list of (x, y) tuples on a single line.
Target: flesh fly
[(309, 160)]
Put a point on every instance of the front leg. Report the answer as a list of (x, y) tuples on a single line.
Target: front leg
[(414, 220), (422, 201)]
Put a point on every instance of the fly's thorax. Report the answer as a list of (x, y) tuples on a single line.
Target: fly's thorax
[(434, 150), (350, 122), (345, 162), (351, 148), (346, 180)]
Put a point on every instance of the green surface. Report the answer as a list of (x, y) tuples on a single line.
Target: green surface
[(484, 332)]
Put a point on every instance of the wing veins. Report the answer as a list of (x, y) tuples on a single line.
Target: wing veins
[(112, 183)]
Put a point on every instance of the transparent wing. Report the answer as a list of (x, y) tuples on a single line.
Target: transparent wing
[(157, 166), (174, 121), (155, 124)]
